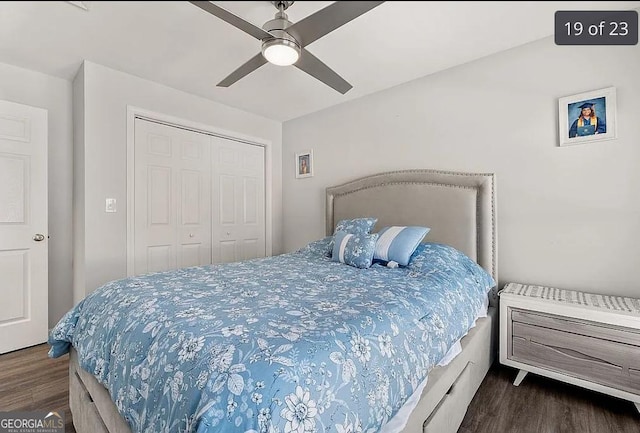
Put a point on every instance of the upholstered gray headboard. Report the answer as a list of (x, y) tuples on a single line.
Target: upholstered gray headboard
[(460, 208)]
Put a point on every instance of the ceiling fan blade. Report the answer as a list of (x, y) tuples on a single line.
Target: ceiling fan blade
[(232, 19), (314, 67), (328, 19), (254, 63)]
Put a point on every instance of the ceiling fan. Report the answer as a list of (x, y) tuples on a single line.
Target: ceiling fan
[(284, 42)]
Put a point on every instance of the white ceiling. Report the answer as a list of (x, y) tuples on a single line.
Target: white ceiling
[(179, 45)]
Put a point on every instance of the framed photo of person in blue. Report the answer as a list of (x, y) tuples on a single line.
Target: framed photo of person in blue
[(588, 116)]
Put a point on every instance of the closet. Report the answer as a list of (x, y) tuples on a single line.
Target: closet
[(198, 198)]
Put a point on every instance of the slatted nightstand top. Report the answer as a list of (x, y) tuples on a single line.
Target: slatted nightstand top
[(574, 297)]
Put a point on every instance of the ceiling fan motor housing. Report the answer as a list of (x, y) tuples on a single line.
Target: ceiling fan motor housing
[(276, 27)]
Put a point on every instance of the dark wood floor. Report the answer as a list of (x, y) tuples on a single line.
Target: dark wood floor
[(541, 405), (31, 381)]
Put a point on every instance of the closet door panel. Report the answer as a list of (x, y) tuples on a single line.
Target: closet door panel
[(155, 223), (239, 201), (194, 216), (172, 205)]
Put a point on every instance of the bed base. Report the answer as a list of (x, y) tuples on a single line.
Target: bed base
[(441, 408), (450, 389)]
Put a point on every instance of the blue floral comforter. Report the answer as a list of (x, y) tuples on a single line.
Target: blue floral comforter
[(292, 343)]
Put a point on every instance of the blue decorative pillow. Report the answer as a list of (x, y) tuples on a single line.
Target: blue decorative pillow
[(357, 226), (397, 243), (354, 249), (319, 247)]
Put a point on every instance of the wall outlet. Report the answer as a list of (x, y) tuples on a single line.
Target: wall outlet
[(110, 205)]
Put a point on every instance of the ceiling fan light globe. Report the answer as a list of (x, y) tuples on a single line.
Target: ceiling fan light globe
[(281, 52)]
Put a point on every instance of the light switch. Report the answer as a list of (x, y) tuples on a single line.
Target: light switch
[(110, 205)]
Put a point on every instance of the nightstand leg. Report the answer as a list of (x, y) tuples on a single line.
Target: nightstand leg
[(522, 374)]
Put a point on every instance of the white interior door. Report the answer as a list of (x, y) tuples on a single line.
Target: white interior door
[(238, 201), (172, 210), (23, 226)]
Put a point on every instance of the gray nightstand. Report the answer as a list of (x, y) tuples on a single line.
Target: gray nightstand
[(585, 339)]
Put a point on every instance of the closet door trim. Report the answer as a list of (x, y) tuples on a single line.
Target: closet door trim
[(152, 116)]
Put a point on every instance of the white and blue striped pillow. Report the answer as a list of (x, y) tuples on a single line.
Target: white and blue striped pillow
[(354, 249), (397, 243)]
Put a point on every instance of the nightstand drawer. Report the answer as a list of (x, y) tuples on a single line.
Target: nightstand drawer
[(577, 326), (598, 360)]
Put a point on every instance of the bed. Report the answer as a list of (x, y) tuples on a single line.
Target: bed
[(460, 210)]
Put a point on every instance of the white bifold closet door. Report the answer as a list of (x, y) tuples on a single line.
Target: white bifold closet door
[(172, 197), (238, 201), (199, 199)]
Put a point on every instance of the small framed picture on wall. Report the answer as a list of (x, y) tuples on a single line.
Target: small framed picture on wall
[(587, 117), (304, 164)]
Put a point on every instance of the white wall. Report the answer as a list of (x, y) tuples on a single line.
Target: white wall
[(78, 186), (54, 94), (106, 95), (567, 216)]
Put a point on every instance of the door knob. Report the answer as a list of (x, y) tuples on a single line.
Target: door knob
[(38, 237), (190, 235)]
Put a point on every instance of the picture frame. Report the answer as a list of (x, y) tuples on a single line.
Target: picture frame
[(304, 164), (587, 117)]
